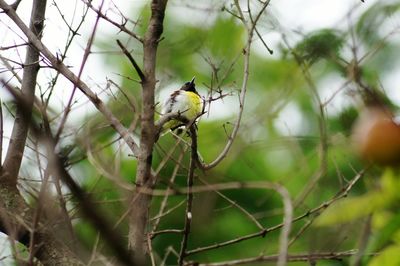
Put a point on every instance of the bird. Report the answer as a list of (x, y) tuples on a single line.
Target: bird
[(186, 102)]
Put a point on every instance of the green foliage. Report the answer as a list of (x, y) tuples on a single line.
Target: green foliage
[(261, 151), (390, 257), (368, 27), (326, 43), (381, 203)]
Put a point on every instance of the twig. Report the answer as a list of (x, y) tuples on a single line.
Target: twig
[(251, 217), (85, 201), (122, 27), (189, 205), (246, 51), (161, 212), (84, 60), (323, 148), (166, 231), (300, 232), (290, 258), (132, 60), (72, 33), (66, 72), (262, 233), (149, 246)]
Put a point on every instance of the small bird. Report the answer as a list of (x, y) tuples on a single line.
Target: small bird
[(186, 102)]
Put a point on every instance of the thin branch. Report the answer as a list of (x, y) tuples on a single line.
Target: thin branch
[(86, 203), (189, 197), (323, 148), (161, 212), (251, 217), (12, 161), (132, 60), (246, 51), (311, 258), (262, 233), (67, 109), (72, 33), (64, 70), (166, 231), (149, 246), (122, 26)]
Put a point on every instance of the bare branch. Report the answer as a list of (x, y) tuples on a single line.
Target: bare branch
[(64, 70), (12, 161), (132, 60), (86, 203), (120, 26), (311, 258), (84, 60), (243, 90), (189, 197)]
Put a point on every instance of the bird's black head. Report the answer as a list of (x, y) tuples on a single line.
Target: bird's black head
[(189, 86)]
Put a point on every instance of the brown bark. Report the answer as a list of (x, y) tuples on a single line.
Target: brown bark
[(15, 215), (12, 162), (144, 177)]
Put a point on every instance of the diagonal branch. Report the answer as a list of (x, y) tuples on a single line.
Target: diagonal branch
[(66, 72), (86, 54), (86, 203), (132, 60), (122, 27)]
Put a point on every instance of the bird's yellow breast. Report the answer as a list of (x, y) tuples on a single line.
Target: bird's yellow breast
[(195, 103)]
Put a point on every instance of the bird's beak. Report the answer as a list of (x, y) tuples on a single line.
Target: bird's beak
[(192, 81)]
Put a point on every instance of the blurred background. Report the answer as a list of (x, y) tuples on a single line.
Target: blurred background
[(314, 67)]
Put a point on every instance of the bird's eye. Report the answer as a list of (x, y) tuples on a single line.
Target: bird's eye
[(187, 83)]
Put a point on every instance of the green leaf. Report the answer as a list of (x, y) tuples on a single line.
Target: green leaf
[(388, 257), (324, 43), (386, 233), (368, 26), (351, 209)]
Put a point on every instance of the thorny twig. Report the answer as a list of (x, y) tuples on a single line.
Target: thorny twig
[(122, 27), (86, 54), (86, 202), (65, 71)]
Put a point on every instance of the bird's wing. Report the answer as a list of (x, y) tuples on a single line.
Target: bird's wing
[(168, 104)]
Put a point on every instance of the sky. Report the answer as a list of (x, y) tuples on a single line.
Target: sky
[(286, 16)]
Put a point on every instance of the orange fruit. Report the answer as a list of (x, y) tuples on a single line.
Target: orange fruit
[(376, 137)]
